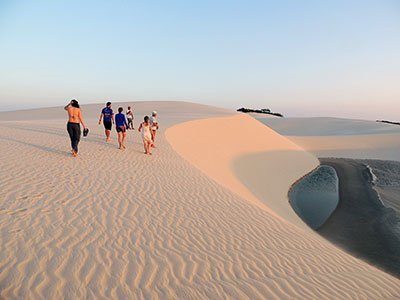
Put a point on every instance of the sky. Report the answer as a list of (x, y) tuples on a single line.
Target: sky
[(300, 58)]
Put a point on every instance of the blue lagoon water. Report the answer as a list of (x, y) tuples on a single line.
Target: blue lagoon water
[(315, 197)]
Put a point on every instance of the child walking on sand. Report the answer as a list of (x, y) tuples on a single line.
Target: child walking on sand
[(121, 126), (144, 128)]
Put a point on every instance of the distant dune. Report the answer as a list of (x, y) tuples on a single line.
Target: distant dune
[(326, 126), (333, 137)]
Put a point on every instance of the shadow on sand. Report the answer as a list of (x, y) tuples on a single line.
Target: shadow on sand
[(362, 224), (91, 138), (39, 147)]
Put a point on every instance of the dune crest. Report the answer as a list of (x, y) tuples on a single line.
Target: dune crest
[(246, 157)]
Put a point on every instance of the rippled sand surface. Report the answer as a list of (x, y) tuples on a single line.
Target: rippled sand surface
[(120, 224)]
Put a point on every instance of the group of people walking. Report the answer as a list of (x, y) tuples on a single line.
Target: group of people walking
[(148, 128)]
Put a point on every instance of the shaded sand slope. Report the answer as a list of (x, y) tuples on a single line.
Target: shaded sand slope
[(333, 137), (217, 146), (114, 224)]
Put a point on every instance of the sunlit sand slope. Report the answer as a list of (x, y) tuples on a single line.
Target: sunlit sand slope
[(225, 146)]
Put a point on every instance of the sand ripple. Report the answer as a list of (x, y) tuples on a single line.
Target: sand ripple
[(114, 224)]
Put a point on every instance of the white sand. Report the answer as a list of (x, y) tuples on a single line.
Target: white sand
[(265, 161), (344, 138), (113, 224)]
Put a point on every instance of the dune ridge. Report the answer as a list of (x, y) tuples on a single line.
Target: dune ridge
[(113, 224), (219, 145)]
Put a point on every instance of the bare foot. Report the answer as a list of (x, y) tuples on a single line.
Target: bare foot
[(74, 154)]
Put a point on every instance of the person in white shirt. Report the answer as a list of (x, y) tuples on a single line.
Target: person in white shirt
[(153, 126), (129, 116)]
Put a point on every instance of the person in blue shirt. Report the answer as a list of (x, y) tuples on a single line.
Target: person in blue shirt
[(107, 115), (121, 126)]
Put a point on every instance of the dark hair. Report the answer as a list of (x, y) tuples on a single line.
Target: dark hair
[(129, 107), (120, 109), (146, 119), (74, 103), (108, 103)]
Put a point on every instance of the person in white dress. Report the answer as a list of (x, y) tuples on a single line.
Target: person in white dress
[(145, 130)]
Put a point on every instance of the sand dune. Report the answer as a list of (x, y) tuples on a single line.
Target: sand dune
[(333, 137), (326, 126), (114, 224), (226, 146), (176, 111)]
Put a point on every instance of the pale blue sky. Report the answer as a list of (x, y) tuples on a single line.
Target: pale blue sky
[(338, 58)]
